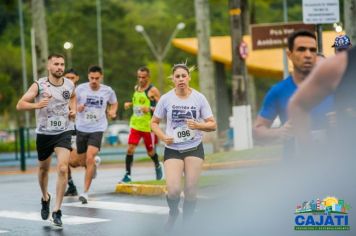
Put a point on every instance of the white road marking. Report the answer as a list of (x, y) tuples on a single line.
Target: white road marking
[(119, 206), (3, 231), (35, 216)]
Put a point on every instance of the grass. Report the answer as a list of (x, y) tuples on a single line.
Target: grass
[(256, 153), (204, 180)]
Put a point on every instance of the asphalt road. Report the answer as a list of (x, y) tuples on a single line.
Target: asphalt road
[(107, 213)]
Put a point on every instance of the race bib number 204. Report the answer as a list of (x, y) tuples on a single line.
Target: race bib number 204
[(183, 134)]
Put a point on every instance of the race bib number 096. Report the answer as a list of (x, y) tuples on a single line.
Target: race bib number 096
[(183, 134)]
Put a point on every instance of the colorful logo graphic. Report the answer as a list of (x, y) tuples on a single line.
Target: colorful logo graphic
[(327, 214)]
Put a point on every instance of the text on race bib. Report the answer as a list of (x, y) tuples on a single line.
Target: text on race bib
[(182, 134), (56, 123), (91, 116), (137, 111)]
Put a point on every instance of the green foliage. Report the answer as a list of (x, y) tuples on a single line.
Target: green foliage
[(10, 146), (124, 49)]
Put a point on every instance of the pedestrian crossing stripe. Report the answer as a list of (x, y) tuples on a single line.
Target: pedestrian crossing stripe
[(35, 216), (119, 206), (3, 231)]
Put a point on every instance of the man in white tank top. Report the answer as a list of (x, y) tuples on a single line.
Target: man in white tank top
[(55, 105)]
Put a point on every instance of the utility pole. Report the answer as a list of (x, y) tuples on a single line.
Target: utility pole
[(205, 64), (350, 19), (99, 34), (241, 110), (40, 30), (239, 80)]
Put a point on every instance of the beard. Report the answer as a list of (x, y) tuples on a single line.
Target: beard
[(57, 74)]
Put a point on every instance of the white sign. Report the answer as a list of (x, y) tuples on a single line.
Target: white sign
[(321, 11)]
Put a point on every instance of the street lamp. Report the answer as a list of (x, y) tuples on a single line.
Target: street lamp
[(159, 55), (337, 27), (68, 47)]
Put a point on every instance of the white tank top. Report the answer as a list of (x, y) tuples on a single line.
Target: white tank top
[(53, 119)]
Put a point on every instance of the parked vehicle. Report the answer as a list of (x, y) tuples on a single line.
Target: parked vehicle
[(117, 133)]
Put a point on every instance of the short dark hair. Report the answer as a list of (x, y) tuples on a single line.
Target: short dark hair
[(71, 71), (299, 33), (95, 68), (144, 69), (55, 55)]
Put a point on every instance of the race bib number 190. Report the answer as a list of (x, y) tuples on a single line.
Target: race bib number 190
[(56, 123), (183, 134)]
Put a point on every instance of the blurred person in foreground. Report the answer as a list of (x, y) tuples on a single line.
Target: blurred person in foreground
[(336, 76), (302, 51), (55, 105), (188, 113)]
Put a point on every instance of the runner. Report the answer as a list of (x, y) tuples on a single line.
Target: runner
[(54, 104), (143, 103), (302, 52), (341, 43), (72, 189), (335, 76), (92, 100), (188, 113)]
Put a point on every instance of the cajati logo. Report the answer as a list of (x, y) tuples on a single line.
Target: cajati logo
[(327, 214)]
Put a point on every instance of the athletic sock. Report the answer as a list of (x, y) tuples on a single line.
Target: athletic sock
[(173, 206), (70, 182), (155, 160), (188, 209), (128, 161)]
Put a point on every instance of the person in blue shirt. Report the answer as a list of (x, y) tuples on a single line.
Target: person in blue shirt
[(302, 51)]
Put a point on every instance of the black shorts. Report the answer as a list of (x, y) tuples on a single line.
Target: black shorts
[(45, 143), (85, 139), (197, 151)]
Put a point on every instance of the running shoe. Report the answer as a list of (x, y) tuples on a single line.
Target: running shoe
[(159, 173), (71, 191), (45, 207), (97, 163), (83, 198), (56, 218), (126, 179)]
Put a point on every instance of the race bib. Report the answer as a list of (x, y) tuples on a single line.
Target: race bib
[(137, 111), (91, 116), (56, 123), (182, 134)]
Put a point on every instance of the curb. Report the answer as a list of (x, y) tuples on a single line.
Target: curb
[(141, 189), (159, 190)]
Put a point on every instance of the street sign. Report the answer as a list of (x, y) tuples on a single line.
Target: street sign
[(243, 50), (266, 36), (321, 11)]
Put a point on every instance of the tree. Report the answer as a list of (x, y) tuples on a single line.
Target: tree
[(40, 30), (205, 64)]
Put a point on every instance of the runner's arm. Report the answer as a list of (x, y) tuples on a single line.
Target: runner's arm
[(157, 130), (113, 110), (26, 101), (208, 125)]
